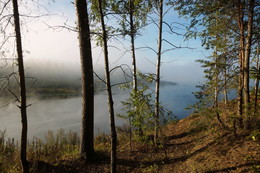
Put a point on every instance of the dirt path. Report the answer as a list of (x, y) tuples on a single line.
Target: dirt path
[(190, 148), (193, 145)]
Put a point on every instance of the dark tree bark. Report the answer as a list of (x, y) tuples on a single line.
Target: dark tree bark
[(109, 92), (87, 131), (158, 72), (256, 82), (23, 105), (247, 60), (225, 91), (240, 19)]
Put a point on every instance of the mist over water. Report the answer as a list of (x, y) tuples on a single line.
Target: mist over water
[(54, 114)]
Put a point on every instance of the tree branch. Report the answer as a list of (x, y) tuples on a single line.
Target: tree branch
[(99, 77), (4, 7), (17, 99), (149, 48)]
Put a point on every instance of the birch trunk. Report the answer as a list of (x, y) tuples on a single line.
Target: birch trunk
[(158, 75), (132, 35), (216, 89)]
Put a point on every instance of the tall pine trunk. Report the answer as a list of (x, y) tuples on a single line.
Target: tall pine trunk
[(158, 74), (240, 19), (87, 129), (23, 105), (246, 62), (256, 82), (109, 92)]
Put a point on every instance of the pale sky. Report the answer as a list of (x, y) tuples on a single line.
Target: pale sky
[(58, 49), (56, 53)]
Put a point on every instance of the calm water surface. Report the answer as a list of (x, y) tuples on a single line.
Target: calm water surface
[(53, 114)]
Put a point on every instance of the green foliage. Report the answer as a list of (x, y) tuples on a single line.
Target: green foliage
[(140, 106), (102, 142), (8, 153), (220, 76), (255, 135), (55, 146), (201, 96), (118, 12), (203, 124), (255, 73), (139, 9), (255, 68), (215, 24), (151, 168), (95, 18)]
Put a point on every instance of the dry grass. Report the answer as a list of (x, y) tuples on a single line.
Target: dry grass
[(196, 144)]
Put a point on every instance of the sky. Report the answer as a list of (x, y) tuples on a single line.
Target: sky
[(56, 50)]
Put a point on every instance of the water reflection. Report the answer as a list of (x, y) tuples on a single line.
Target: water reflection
[(53, 114)]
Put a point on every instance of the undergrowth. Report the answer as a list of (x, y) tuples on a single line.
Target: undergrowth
[(53, 148), (62, 146)]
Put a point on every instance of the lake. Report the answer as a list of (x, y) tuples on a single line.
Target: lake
[(53, 114)]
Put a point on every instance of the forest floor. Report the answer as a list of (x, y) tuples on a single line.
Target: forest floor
[(195, 144)]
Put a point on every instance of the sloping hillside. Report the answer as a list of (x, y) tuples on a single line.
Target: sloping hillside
[(196, 144)]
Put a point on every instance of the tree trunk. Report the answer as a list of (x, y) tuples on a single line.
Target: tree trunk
[(256, 82), (246, 62), (216, 89), (132, 35), (87, 129), (109, 92), (225, 81), (23, 105), (158, 66), (241, 61), (130, 134), (216, 79), (134, 68)]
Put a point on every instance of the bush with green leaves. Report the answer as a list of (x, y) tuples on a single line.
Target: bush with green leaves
[(140, 106)]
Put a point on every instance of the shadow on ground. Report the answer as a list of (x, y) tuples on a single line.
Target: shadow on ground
[(236, 167), (43, 167)]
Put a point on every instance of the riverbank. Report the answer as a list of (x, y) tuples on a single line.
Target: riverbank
[(194, 144)]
